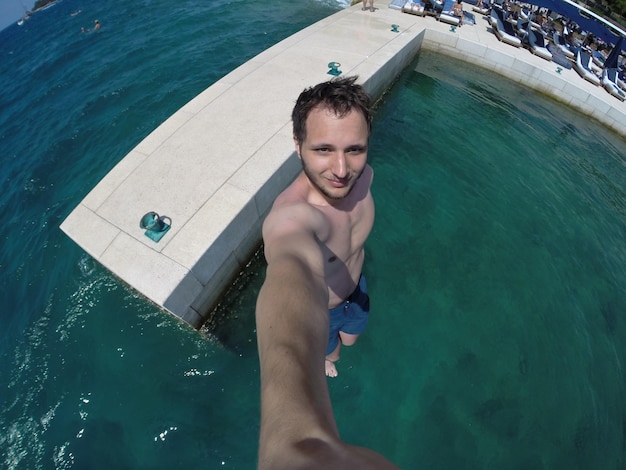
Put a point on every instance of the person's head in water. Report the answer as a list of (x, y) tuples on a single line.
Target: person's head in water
[(331, 128)]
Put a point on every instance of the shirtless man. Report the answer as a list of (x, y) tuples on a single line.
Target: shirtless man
[(457, 10), (314, 238)]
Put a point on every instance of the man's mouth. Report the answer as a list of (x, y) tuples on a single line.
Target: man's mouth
[(339, 183)]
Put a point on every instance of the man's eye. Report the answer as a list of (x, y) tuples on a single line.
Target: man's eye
[(323, 149)]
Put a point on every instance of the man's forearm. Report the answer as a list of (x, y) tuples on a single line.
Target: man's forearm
[(292, 331), (298, 429)]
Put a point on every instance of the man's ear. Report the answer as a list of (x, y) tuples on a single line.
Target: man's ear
[(297, 144)]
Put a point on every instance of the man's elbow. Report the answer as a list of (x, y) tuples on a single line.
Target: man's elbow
[(308, 453)]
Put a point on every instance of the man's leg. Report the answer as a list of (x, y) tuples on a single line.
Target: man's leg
[(347, 340), (329, 363)]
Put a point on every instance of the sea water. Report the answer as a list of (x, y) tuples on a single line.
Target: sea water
[(495, 267), (91, 375)]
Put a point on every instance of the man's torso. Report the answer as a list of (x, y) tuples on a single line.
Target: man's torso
[(341, 230)]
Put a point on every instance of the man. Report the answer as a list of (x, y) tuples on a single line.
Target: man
[(314, 236), (457, 10)]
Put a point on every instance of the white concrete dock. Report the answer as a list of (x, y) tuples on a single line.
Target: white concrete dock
[(217, 164)]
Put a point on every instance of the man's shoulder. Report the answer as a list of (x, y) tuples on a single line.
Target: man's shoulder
[(293, 213), (295, 193), (293, 216), (293, 226)]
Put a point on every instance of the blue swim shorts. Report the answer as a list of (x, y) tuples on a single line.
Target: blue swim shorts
[(350, 316)]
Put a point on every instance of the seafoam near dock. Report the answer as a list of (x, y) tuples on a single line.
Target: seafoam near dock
[(213, 169)]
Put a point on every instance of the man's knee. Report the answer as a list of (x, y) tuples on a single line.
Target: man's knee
[(347, 339)]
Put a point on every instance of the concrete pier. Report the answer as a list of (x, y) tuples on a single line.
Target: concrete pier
[(216, 165)]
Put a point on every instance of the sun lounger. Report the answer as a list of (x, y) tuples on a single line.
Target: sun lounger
[(397, 4), (609, 82), (522, 27), (537, 45), (414, 7), (621, 83), (447, 15), (503, 29), (483, 9), (583, 67), (469, 18), (433, 7), (598, 59), (560, 42), (559, 57)]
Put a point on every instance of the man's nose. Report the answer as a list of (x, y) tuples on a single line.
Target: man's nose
[(339, 165)]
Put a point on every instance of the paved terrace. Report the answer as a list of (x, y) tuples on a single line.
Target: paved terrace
[(217, 164)]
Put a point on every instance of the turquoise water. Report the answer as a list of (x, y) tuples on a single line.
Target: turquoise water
[(92, 376), (497, 268), (496, 265)]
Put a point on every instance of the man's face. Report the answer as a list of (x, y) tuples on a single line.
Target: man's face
[(334, 152)]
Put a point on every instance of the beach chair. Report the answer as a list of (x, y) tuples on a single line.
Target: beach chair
[(559, 57), (414, 7), (503, 29), (609, 82), (483, 9), (397, 4), (583, 67), (597, 60), (433, 7), (469, 18), (560, 42), (522, 27), (621, 80), (537, 45), (447, 15)]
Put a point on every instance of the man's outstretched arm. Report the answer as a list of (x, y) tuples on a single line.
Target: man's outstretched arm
[(298, 429)]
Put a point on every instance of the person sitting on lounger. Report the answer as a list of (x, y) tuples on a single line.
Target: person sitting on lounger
[(457, 10)]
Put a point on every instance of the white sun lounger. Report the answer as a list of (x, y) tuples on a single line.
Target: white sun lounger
[(414, 8), (447, 15), (559, 40), (522, 27), (583, 67), (484, 9), (620, 83), (503, 29), (609, 82), (537, 45)]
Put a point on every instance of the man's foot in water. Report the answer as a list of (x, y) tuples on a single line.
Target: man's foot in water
[(331, 370)]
